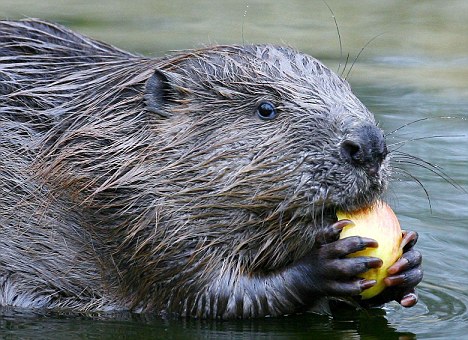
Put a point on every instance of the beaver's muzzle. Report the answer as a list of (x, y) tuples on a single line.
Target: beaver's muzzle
[(365, 148)]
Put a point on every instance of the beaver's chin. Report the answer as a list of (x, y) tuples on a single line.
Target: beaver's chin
[(350, 206), (328, 215)]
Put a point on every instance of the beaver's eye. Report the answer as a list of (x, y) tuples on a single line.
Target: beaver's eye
[(266, 111)]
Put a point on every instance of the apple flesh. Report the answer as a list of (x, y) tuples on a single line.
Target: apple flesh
[(379, 223)]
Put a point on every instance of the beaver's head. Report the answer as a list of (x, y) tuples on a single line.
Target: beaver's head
[(260, 145)]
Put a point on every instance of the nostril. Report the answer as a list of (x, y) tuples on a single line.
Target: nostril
[(365, 148), (351, 151)]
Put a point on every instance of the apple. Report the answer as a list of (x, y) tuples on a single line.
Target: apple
[(380, 223)]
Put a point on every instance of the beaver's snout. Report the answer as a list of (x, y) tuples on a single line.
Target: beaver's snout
[(365, 149)]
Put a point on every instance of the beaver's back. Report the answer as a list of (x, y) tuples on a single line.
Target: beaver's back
[(46, 73), (37, 37)]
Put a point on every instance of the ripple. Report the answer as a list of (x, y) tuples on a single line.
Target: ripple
[(446, 304), (442, 312)]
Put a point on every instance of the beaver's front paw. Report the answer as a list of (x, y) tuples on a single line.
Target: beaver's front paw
[(328, 270), (403, 277)]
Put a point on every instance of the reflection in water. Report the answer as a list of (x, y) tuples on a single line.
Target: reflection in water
[(417, 69), (371, 324)]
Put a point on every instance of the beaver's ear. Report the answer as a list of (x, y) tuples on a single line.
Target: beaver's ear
[(160, 92)]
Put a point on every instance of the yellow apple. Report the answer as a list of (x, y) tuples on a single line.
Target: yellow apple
[(379, 223)]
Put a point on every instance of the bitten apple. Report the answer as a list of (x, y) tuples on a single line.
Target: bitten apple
[(379, 223)]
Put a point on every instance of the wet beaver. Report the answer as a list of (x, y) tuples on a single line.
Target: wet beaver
[(201, 184)]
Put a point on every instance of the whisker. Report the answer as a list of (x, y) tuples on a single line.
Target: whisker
[(406, 125), (339, 35), (359, 54), (414, 178), (420, 120), (345, 65), (399, 144), (243, 23), (407, 158)]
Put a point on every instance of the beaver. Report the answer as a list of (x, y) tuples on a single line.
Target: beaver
[(200, 184)]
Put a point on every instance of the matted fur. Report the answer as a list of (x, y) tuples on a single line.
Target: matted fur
[(109, 203)]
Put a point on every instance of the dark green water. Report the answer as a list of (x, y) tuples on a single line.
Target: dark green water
[(418, 69)]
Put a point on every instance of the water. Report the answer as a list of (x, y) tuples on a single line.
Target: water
[(418, 69)]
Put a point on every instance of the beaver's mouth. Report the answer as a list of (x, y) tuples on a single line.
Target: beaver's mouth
[(328, 215)]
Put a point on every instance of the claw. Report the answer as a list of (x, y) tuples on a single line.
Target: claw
[(394, 280), (332, 232), (398, 266), (409, 239), (374, 262), (409, 300), (366, 284), (342, 223)]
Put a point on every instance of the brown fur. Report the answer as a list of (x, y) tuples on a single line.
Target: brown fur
[(151, 184)]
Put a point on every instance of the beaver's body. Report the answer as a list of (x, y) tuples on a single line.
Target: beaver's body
[(202, 184)]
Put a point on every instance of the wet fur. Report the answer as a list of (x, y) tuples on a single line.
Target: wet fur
[(150, 184)]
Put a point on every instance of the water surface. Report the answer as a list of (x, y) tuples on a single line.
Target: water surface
[(415, 70)]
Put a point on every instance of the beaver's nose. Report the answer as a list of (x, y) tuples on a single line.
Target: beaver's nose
[(365, 148)]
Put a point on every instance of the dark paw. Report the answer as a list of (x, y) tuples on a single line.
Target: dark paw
[(328, 268)]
